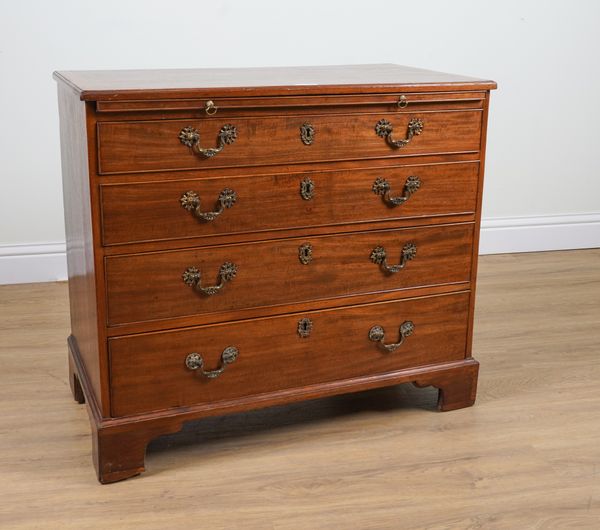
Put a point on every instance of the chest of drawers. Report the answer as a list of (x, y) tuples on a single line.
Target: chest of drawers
[(243, 238)]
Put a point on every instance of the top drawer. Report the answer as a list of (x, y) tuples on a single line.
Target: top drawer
[(301, 136)]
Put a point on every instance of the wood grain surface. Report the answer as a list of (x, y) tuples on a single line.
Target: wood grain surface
[(226, 106), (274, 202), (154, 145), (526, 456), (148, 371), (143, 287), (338, 79), (83, 294)]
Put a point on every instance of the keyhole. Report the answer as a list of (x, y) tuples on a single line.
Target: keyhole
[(305, 327), (305, 253)]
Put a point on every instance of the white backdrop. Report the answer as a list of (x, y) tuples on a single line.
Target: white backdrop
[(542, 180)]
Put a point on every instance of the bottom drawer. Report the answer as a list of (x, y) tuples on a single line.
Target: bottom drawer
[(156, 371)]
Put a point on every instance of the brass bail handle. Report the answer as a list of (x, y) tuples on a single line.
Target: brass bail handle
[(192, 277), (379, 257), (190, 137), (384, 129), (190, 201), (377, 334), (194, 361), (382, 187)]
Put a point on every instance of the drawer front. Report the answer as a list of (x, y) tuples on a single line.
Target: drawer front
[(157, 145), (152, 286), (163, 210), (149, 372)]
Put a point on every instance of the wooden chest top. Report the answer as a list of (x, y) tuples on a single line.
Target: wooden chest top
[(106, 85)]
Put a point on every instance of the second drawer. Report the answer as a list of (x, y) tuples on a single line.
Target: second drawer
[(170, 284), (213, 206)]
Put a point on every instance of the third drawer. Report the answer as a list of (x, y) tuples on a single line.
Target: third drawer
[(179, 283)]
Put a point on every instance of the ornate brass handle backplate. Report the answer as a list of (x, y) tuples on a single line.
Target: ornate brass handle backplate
[(384, 129), (379, 257), (192, 277), (377, 334), (191, 138), (382, 187), (194, 361), (190, 200)]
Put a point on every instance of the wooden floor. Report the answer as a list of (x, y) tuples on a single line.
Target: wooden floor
[(527, 455)]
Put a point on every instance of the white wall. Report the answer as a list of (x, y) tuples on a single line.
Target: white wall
[(542, 154)]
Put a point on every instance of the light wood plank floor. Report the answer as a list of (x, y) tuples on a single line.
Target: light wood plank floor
[(526, 456)]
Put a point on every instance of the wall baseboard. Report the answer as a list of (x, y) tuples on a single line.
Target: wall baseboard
[(539, 233), (38, 262), (47, 262)]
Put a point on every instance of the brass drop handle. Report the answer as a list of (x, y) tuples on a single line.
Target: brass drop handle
[(384, 129), (192, 277), (191, 138), (194, 361), (190, 200), (382, 187), (379, 257), (377, 334)]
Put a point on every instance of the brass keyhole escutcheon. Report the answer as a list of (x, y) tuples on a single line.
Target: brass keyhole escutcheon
[(307, 133), (305, 253), (305, 326), (307, 189)]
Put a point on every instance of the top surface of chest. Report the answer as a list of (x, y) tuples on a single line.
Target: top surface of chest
[(110, 85)]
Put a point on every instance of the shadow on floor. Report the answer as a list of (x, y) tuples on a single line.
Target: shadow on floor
[(311, 412)]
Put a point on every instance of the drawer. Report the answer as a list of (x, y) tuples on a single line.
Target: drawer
[(158, 145), (148, 372), (161, 210), (168, 284)]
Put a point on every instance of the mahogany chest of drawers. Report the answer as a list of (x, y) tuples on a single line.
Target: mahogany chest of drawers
[(243, 238)]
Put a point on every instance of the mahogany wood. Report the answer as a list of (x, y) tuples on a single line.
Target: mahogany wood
[(75, 384), (291, 104), (148, 371), (150, 286), (133, 319), (80, 242), (118, 330), (154, 145), (283, 168), (274, 202), (284, 233), (241, 82), (477, 230)]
